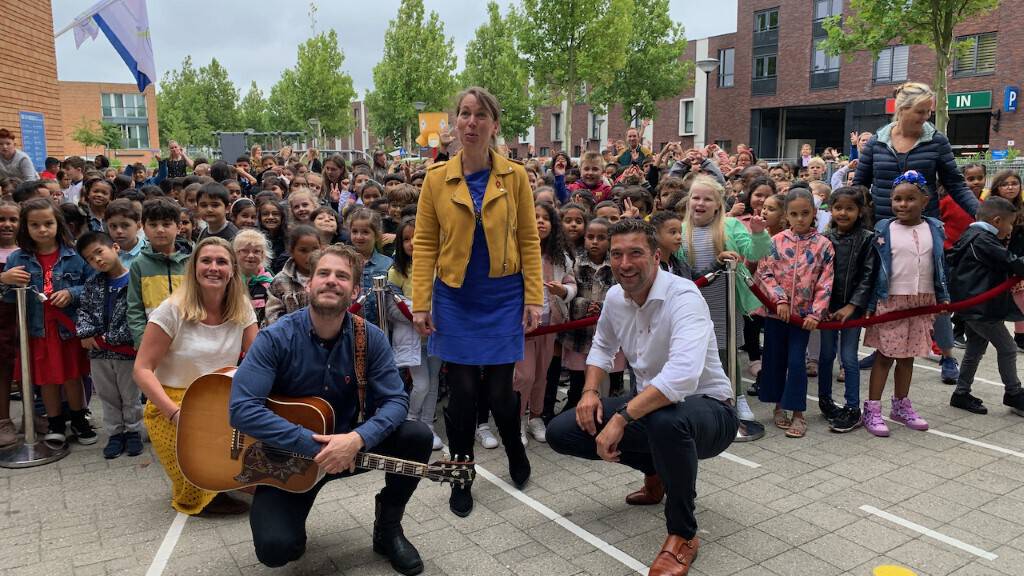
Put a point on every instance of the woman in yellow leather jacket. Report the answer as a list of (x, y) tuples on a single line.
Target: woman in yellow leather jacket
[(477, 284)]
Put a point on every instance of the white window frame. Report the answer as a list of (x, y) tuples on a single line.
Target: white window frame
[(891, 78), (682, 116), (556, 126)]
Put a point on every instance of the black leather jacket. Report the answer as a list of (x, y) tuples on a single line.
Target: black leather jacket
[(978, 262), (855, 268)]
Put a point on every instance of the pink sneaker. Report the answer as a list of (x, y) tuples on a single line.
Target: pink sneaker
[(904, 413), (872, 419)]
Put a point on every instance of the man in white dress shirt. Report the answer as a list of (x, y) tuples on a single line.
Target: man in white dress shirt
[(683, 409)]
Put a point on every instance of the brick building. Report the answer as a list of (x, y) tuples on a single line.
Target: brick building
[(775, 90), (28, 83), (133, 112)]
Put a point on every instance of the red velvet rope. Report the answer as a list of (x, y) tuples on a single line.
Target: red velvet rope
[(591, 320), (102, 344), (889, 316)]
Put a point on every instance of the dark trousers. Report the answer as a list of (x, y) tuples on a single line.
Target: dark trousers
[(752, 326), (667, 442), (278, 518), (979, 334), (784, 367)]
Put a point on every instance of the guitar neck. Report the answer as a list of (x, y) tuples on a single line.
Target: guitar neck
[(369, 461)]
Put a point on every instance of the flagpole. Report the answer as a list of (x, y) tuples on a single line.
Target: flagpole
[(84, 16)]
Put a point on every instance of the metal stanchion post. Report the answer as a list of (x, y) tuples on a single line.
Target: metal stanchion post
[(29, 451), (749, 430), (380, 294)]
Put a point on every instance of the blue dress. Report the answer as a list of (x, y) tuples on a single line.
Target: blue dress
[(481, 323)]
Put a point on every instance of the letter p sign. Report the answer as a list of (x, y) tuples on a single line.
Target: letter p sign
[(1010, 99)]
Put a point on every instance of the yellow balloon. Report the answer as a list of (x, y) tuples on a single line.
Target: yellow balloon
[(891, 570)]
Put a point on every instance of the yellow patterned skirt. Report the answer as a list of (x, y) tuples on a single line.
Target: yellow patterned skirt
[(185, 497)]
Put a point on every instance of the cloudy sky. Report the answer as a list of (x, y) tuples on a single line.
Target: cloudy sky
[(256, 39)]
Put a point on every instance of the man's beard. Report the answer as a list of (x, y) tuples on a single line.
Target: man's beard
[(330, 309)]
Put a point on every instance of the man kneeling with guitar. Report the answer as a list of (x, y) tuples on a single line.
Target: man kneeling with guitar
[(316, 352)]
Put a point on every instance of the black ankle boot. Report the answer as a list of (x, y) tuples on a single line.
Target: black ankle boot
[(1018, 338), (389, 540), (460, 443), (518, 463)]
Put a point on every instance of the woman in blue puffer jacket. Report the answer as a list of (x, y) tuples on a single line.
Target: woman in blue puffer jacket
[(910, 142)]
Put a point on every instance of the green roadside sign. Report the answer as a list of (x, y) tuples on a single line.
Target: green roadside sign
[(970, 100)]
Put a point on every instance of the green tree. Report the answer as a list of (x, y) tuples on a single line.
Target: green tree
[(654, 68), (418, 66), (87, 134), (111, 136), (316, 88), (874, 24), (252, 111), (195, 102), (574, 48), (493, 61)]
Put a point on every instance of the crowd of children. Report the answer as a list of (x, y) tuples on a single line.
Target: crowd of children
[(106, 254)]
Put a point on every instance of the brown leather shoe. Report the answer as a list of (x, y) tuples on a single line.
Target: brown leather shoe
[(676, 556), (652, 492)]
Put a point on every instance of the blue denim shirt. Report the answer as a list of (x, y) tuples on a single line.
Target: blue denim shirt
[(289, 359), (70, 272), (377, 265), (883, 244)]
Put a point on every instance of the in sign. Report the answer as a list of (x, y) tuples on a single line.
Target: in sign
[(981, 100)]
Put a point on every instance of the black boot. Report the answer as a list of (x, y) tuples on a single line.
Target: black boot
[(389, 540), (518, 463), (1018, 338), (554, 377), (460, 442)]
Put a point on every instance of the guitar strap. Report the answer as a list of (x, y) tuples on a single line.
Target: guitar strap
[(359, 345)]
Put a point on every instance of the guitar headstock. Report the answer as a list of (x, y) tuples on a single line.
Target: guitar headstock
[(458, 471)]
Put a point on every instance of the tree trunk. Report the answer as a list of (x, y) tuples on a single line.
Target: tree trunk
[(942, 59)]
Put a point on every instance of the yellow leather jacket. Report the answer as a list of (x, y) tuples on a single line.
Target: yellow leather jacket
[(445, 223)]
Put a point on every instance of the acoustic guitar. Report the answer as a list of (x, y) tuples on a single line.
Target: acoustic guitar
[(216, 457)]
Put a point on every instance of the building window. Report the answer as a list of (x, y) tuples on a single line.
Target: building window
[(766, 20), (724, 144), (827, 8), (576, 151), (136, 136), (977, 57), (686, 108), (764, 66), (123, 105), (545, 151), (823, 61), (594, 122), (891, 66), (556, 126), (726, 67)]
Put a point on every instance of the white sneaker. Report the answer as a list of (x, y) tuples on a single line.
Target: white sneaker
[(743, 408), (522, 431), (486, 438), (537, 429), (437, 445)]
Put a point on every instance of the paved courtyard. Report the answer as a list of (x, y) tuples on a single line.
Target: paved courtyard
[(948, 501)]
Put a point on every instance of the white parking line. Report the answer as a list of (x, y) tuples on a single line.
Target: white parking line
[(163, 554), (739, 460), (626, 560), (930, 533)]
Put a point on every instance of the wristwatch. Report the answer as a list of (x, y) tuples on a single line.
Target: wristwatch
[(625, 414)]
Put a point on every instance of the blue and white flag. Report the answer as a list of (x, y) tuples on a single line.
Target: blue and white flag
[(126, 24)]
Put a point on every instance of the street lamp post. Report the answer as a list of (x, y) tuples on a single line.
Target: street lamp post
[(707, 66), (419, 106)]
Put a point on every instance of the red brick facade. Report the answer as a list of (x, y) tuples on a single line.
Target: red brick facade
[(732, 109), (80, 101), (28, 59)]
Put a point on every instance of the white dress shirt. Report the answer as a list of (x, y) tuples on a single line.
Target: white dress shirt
[(669, 341)]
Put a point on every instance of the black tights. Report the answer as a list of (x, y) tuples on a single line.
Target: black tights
[(467, 387)]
